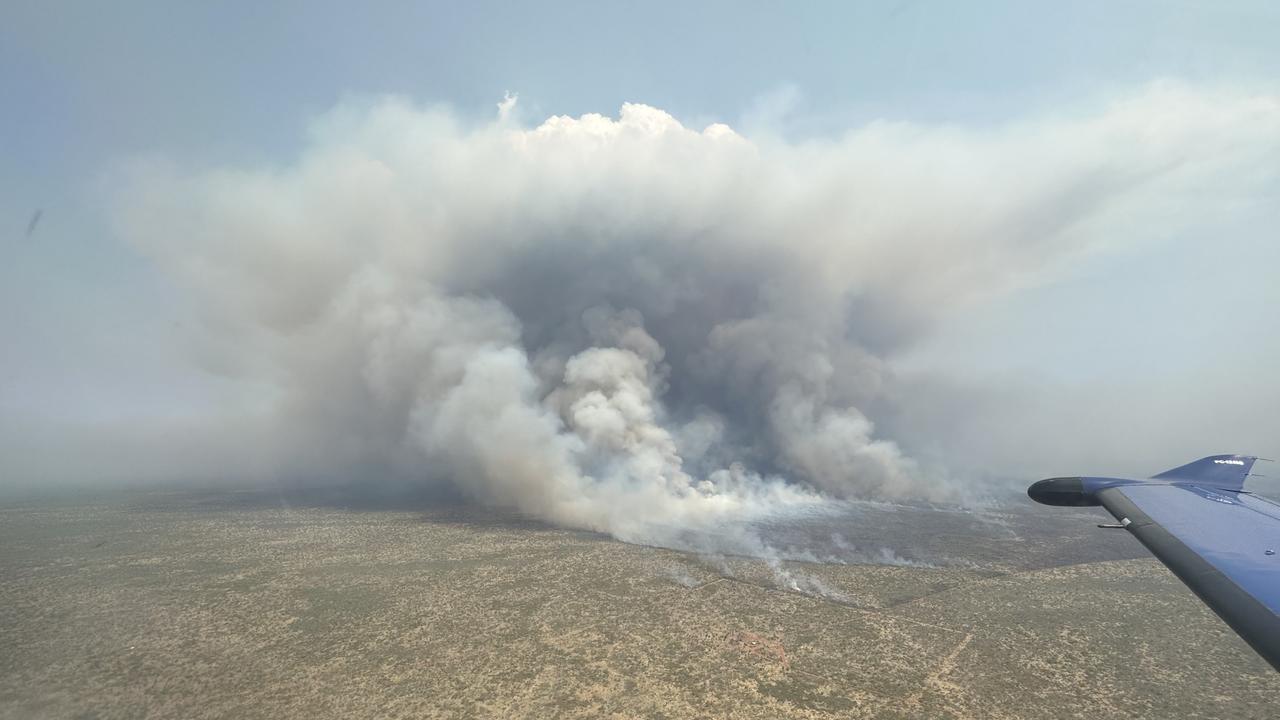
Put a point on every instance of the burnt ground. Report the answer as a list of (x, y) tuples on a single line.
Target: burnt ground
[(194, 605)]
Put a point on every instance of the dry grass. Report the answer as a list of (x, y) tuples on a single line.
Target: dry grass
[(173, 606)]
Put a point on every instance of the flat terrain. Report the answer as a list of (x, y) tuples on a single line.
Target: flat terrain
[(246, 606)]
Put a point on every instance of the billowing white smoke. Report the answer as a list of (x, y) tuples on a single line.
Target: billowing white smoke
[(622, 323)]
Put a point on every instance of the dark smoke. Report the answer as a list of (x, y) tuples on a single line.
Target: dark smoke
[(623, 323)]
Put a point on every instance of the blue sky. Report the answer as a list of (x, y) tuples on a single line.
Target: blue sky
[(90, 325)]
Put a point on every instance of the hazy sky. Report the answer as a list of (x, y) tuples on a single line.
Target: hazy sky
[(1172, 339)]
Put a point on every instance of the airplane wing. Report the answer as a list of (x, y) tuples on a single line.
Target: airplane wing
[(1219, 539)]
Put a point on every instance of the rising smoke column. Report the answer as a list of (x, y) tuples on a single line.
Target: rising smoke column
[(622, 323)]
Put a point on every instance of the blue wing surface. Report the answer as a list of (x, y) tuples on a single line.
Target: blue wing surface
[(1224, 544)]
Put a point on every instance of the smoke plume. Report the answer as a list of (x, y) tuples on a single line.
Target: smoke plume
[(625, 323)]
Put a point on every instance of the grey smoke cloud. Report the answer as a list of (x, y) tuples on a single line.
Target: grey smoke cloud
[(625, 323)]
